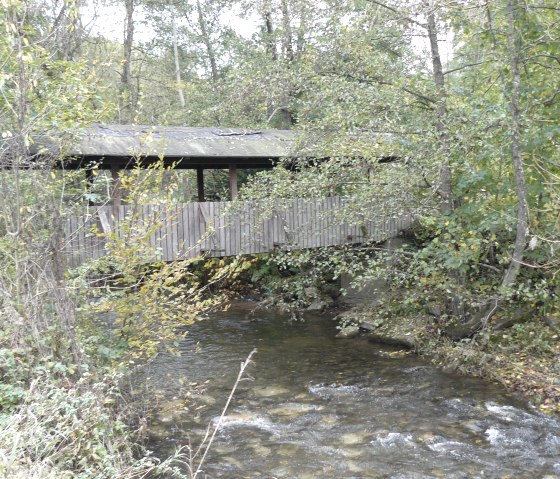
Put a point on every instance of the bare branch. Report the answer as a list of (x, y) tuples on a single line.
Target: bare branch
[(400, 14), (379, 81), (462, 67)]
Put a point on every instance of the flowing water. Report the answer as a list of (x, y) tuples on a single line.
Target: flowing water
[(320, 407)]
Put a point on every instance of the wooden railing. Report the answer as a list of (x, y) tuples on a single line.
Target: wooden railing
[(224, 228)]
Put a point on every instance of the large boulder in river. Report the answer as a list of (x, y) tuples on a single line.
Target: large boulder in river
[(348, 332), (321, 304), (405, 340)]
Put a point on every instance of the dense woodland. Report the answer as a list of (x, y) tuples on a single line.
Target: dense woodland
[(473, 121)]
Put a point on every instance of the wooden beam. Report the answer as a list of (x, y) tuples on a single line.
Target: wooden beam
[(200, 184), (116, 193), (233, 180)]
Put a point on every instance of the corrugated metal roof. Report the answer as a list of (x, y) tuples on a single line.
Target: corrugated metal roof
[(182, 142)]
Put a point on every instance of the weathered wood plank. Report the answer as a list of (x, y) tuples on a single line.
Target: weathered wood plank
[(182, 231)]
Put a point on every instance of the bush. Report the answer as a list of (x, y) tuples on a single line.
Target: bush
[(64, 430)]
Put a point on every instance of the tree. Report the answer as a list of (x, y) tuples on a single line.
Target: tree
[(129, 92), (41, 93)]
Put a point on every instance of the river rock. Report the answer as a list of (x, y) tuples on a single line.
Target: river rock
[(294, 410), (158, 432), (353, 438), (405, 340), (307, 475), (354, 468), (234, 418), (271, 391), (320, 304), (384, 392), (474, 425), (311, 292), (351, 453), (204, 398), (399, 354), (165, 418), (172, 405), (262, 451), (223, 449), (348, 332), (427, 437), (232, 461), (434, 309), (369, 325), (329, 419), (288, 449)]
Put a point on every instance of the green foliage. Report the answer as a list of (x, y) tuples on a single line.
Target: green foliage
[(151, 301), (352, 77), (69, 430), (14, 375)]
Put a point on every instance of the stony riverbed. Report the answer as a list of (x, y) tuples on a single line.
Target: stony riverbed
[(319, 407)]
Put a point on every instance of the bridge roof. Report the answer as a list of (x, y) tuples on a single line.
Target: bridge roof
[(189, 147)]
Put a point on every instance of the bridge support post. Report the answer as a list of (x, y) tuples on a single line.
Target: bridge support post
[(233, 180), (200, 184)]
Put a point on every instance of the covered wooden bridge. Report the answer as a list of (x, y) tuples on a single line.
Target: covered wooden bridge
[(217, 229)]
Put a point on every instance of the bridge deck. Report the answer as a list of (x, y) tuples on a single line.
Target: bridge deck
[(169, 232)]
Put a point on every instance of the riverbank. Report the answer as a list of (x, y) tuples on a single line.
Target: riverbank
[(524, 358)]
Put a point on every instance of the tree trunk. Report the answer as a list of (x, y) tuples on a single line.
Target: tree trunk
[(492, 32), (207, 42), (520, 186), (300, 39), (128, 107), (269, 28), (287, 43), (445, 177), (522, 230), (177, 65)]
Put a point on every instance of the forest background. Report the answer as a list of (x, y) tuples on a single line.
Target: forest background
[(477, 138)]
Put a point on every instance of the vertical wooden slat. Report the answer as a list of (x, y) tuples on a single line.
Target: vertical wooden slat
[(227, 231), (252, 213), (163, 215), (323, 219), (330, 223), (156, 219), (190, 241), (308, 220), (180, 232), (299, 220), (175, 230), (167, 233), (218, 230), (186, 232), (196, 229), (251, 235), (295, 222), (305, 224), (276, 227), (239, 212), (179, 229)]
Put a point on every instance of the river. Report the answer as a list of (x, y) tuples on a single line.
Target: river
[(320, 407)]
